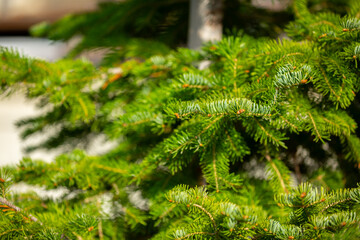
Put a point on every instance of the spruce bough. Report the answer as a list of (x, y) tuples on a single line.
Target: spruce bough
[(188, 140)]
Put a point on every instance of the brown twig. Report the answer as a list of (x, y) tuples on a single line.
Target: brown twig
[(207, 213), (17, 209)]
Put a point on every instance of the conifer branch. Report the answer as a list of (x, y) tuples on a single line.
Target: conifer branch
[(138, 122), (326, 23), (276, 62), (268, 158), (292, 125), (167, 211), (231, 141), (195, 233), (83, 106), (229, 183), (208, 126), (17, 209), (314, 124), (110, 169), (339, 68), (335, 203), (267, 133), (207, 213), (132, 215), (100, 230), (328, 83), (256, 91), (337, 125), (234, 77), (100, 226), (196, 86), (197, 136), (8, 231), (214, 167)]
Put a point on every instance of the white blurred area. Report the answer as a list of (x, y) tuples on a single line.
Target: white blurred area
[(36, 47), (12, 109)]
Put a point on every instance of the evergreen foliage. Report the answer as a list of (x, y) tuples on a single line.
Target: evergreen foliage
[(200, 153)]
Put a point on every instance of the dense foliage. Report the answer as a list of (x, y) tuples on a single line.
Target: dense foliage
[(259, 144)]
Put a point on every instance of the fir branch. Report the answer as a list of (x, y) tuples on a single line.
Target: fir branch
[(167, 211), (197, 136), (339, 68), (335, 203), (276, 62), (196, 86), (256, 91), (83, 106), (215, 106), (100, 230), (351, 144), (17, 209), (234, 186), (328, 83), (133, 216), (208, 126), (234, 77), (100, 226), (209, 215), (268, 134), (214, 167), (326, 23), (287, 121), (336, 125), (231, 141), (195, 233), (314, 124), (11, 230), (268, 158), (110, 169), (300, 9)]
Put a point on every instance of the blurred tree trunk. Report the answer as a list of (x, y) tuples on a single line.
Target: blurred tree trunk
[(205, 22)]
